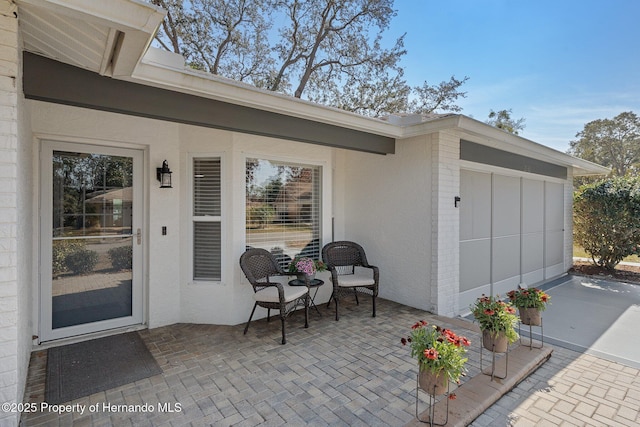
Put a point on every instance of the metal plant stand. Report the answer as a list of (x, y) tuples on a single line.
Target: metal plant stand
[(432, 404), (541, 326), (493, 361)]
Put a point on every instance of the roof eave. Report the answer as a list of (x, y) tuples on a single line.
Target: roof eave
[(497, 137), (132, 25), (491, 136), (166, 70)]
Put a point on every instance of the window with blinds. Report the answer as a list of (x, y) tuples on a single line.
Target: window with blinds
[(207, 228), (283, 208)]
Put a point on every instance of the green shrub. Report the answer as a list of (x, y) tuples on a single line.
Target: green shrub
[(82, 261), (121, 257), (259, 216), (62, 249), (606, 217)]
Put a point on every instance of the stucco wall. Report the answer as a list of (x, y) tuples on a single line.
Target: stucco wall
[(400, 207), (230, 301), (159, 141), (387, 209), (171, 294)]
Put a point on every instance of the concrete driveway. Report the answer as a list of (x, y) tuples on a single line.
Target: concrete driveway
[(592, 379), (594, 316)]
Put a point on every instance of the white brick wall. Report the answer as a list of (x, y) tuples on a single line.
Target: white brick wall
[(11, 387), (445, 217)]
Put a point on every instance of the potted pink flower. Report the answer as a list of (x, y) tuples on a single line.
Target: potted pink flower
[(306, 267)]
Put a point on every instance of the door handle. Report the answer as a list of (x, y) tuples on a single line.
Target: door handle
[(139, 236)]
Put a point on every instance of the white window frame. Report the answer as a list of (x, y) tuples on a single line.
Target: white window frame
[(193, 218), (324, 190)]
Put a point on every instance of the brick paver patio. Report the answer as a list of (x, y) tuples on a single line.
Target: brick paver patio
[(348, 373), (571, 389)]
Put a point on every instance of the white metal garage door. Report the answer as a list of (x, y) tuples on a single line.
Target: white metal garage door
[(511, 232)]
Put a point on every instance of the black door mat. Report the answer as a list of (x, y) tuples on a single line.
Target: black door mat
[(85, 368)]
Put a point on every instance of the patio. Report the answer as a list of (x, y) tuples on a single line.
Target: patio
[(351, 372)]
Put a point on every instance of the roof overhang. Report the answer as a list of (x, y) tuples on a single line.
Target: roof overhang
[(106, 37), (167, 70), (112, 38), (48, 80), (481, 133)]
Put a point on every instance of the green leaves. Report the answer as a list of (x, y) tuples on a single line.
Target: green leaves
[(611, 142), (606, 218)]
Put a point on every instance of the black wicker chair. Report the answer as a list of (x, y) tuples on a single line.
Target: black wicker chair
[(261, 267), (350, 272)]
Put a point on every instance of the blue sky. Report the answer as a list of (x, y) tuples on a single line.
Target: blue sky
[(559, 64)]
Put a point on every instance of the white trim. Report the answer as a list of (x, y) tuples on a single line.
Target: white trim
[(325, 190), (45, 330), (98, 142), (138, 21), (121, 14), (497, 138), (283, 159), (190, 281), (152, 72), (151, 67)]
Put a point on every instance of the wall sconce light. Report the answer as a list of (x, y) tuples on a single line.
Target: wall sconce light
[(164, 175), (456, 200)]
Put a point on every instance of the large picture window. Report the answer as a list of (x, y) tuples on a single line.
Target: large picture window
[(283, 208), (207, 230)]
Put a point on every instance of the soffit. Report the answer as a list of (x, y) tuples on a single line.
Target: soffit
[(106, 37), (66, 39)]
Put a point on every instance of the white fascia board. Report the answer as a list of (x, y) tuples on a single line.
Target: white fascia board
[(482, 133), (485, 134), (447, 123), (164, 71), (136, 22), (119, 14)]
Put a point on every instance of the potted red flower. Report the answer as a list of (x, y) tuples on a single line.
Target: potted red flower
[(498, 321), (530, 303), (440, 354)]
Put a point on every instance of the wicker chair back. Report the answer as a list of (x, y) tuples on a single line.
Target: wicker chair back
[(344, 254), (258, 264)]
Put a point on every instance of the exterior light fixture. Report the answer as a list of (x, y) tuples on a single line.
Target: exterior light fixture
[(456, 200), (164, 175)]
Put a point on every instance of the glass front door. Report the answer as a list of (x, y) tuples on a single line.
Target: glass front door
[(92, 239)]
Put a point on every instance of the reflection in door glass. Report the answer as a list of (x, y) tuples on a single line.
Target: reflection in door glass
[(92, 238), (93, 194)]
